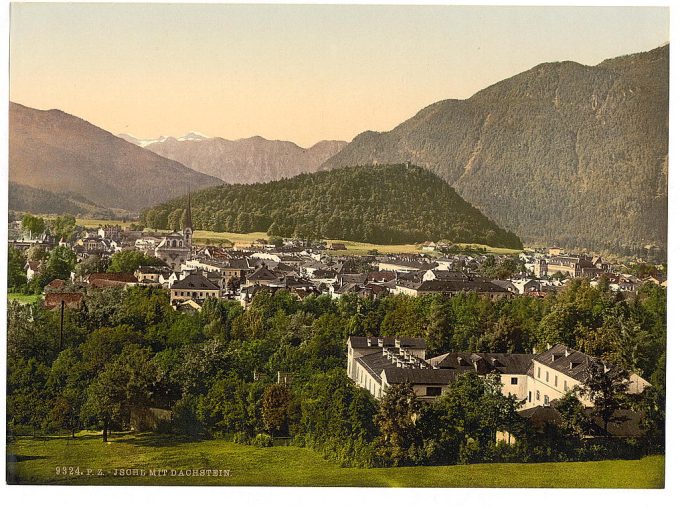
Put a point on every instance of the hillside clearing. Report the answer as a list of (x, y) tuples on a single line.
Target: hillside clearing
[(237, 240)]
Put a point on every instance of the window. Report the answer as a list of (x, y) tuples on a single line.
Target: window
[(547, 376), (539, 372), (546, 400), (433, 391), (555, 380), (513, 381), (529, 396), (566, 388), (538, 396)]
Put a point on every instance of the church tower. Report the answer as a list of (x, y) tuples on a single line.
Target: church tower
[(188, 226)]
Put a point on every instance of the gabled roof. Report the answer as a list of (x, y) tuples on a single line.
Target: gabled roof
[(476, 285), (396, 375), (262, 273), (487, 362), (113, 277), (194, 282), (444, 275), (57, 283), (569, 362)]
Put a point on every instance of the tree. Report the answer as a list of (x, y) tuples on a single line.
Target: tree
[(396, 421), (463, 422), (438, 326), (35, 226), (275, 407), (92, 264), (575, 420), (606, 388), (36, 253), (16, 275), (60, 263), (125, 382), (505, 336), (67, 385), (128, 261), (64, 226)]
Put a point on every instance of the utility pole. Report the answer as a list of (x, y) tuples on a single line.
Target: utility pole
[(61, 327)]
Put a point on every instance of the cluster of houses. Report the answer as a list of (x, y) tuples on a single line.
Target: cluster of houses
[(194, 273), (537, 380)]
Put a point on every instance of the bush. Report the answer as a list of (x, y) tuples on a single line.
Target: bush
[(240, 437), (185, 419), (263, 440)]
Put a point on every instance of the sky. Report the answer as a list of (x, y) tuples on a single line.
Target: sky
[(294, 72)]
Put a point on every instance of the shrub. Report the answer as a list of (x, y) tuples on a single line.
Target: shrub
[(240, 437), (263, 440)]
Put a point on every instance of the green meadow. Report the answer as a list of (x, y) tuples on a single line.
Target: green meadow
[(62, 460), (245, 239)]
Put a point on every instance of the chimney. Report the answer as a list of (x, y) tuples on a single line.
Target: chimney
[(553, 357), (368, 341), (384, 351), (494, 361), (380, 342), (460, 360), (566, 352), (397, 342)]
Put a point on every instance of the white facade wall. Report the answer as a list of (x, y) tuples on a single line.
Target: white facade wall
[(519, 389), (551, 383)]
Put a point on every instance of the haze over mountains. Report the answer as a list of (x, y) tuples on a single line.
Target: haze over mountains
[(57, 152), (251, 160), (562, 153)]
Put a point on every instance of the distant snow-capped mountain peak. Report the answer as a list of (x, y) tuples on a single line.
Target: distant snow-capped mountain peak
[(191, 136)]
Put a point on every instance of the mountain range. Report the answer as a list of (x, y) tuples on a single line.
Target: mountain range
[(563, 153), (251, 160), (59, 153)]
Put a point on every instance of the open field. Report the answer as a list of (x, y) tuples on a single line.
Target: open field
[(353, 247), (35, 461), (23, 298)]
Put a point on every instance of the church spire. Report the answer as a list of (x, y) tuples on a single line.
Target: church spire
[(188, 224)]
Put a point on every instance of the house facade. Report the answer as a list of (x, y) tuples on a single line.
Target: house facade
[(534, 379)]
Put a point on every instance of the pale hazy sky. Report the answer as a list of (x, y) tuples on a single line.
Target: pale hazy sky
[(296, 72)]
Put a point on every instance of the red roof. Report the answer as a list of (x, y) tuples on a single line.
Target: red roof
[(57, 283), (113, 277), (71, 300)]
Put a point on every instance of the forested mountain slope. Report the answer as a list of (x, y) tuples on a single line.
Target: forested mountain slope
[(384, 204), (563, 153)]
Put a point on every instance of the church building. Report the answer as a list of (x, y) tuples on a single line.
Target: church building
[(175, 248)]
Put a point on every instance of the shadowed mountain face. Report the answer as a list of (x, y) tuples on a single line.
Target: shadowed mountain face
[(57, 152), (252, 160), (563, 153)]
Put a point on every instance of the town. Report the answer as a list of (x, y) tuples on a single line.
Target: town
[(67, 264), (193, 273)]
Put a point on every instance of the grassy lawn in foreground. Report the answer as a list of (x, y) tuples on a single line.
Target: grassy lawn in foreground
[(34, 461), (23, 298)]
